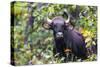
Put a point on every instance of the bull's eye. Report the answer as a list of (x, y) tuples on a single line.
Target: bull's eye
[(54, 26), (63, 26)]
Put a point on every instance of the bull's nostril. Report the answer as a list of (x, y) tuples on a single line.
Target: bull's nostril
[(59, 34)]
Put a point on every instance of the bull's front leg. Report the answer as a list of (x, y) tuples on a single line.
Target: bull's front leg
[(69, 56), (58, 52)]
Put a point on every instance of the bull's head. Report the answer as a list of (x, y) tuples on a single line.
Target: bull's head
[(57, 24)]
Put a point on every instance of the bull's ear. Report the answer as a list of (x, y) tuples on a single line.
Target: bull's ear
[(68, 25), (47, 23)]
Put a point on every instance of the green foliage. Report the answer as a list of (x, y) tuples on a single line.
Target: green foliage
[(41, 40)]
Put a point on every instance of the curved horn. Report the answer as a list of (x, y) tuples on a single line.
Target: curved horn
[(67, 21), (66, 12), (49, 21)]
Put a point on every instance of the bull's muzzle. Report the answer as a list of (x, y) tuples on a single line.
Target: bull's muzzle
[(59, 34)]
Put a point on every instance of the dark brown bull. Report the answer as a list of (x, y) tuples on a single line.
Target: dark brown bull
[(67, 39)]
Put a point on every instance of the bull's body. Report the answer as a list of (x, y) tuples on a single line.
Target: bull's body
[(67, 39), (72, 40)]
